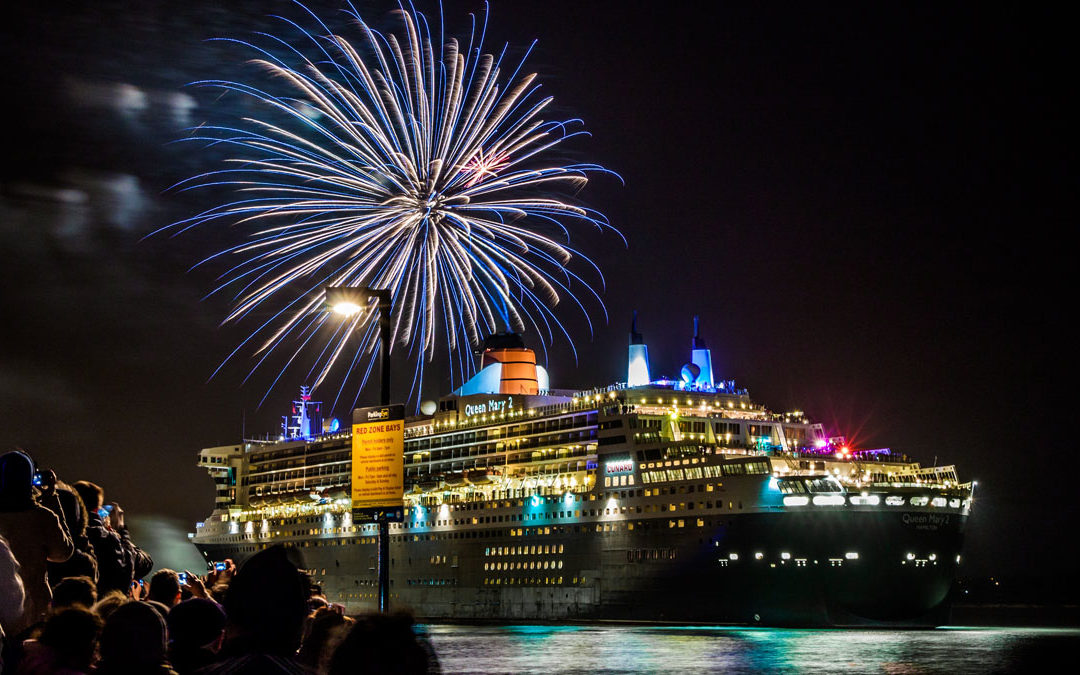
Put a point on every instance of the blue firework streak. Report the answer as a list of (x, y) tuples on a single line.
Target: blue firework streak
[(391, 164)]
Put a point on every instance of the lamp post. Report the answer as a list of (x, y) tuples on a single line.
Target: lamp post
[(348, 301)]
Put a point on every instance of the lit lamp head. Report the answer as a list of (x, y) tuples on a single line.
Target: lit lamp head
[(346, 300)]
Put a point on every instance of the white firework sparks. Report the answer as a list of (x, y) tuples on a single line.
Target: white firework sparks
[(392, 164)]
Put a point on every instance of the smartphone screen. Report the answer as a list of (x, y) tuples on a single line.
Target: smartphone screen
[(183, 577), (220, 567), (37, 479), (103, 513)]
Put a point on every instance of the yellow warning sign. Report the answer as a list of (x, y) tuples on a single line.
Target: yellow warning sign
[(378, 464)]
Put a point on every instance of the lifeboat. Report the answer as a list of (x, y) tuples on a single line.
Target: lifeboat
[(480, 476)]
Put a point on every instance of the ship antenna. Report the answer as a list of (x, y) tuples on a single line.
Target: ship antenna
[(635, 337), (698, 343)]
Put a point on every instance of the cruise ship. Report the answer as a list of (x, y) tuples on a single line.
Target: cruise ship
[(675, 499)]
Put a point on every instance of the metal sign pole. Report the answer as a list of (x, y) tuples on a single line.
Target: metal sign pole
[(384, 523), (378, 438)]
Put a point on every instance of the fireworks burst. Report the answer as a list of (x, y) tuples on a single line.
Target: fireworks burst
[(397, 163)]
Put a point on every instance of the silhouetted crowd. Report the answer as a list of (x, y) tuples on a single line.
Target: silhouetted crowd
[(73, 600)]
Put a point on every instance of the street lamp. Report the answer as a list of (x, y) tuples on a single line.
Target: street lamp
[(349, 301)]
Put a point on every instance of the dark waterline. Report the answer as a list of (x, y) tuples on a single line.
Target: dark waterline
[(626, 649)]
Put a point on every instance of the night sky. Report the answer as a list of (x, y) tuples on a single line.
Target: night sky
[(865, 205)]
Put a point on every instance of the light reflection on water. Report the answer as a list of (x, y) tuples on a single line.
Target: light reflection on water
[(652, 649)]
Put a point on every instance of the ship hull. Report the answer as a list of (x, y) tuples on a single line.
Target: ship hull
[(817, 567)]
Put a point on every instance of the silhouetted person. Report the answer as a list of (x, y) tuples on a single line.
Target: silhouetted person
[(165, 587), (66, 645), (326, 628), (266, 605), (196, 632), (161, 608), (133, 642), (108, 603), (12, 595), (119, 560), (381, 644), (217, 581), (61, 499), (74, 591), (34, 534)]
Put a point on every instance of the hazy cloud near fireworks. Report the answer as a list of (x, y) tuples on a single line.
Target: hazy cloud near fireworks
[(133, 103), (28, 386)]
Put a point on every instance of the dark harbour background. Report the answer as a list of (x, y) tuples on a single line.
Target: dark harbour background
[(663, 649)]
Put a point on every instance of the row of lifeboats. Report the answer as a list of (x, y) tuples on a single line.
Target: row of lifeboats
[(335, 492), (331, 493), (457, 479)]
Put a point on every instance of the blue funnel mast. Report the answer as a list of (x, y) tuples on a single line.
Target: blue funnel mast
[(637, 369), (702, 358)]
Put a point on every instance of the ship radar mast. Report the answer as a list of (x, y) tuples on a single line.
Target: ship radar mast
[(305, 420)]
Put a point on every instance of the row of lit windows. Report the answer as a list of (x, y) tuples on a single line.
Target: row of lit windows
[(559, 496), (547, 549), (362, 596), (530, 581), (520, 451), (683, 489), (515, 532), (645, 554), (786, 557), (310, 458), (520, 565), (707, 487), (496, 533), (294, 451), (504, 431)]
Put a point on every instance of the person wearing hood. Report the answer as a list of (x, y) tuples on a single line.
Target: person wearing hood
[(34, 534)]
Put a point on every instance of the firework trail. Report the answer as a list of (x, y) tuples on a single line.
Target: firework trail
[(393, 162)]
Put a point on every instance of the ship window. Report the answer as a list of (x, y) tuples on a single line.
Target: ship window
[(788, 487), (824, 485)]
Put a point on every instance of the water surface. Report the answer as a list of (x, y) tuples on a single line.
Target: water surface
[(652, 649)]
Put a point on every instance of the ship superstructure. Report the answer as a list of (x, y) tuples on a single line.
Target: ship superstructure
[(653, 500)]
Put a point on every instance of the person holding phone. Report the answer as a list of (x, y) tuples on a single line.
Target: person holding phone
[(218, 578), (34, 534), (61, 499), (119, 560)]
